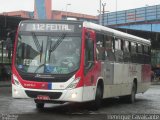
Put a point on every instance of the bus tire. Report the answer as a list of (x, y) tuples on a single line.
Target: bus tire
[(96, 104), (132, 97), (39, 105), (98, 97)]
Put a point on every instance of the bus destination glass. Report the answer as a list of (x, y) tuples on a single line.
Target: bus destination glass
[(50, 27)]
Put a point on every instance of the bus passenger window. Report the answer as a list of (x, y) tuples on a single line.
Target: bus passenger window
[(126, 53), (118, 51), (109, 51), (140, 57), (146, 54), (145, 49), (139, 48), (134, 52), (100, 46), (133, 47)]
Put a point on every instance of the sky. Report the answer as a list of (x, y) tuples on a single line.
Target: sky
[(90, 7)]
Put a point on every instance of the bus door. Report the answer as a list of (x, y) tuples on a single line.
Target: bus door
[(90, 66)]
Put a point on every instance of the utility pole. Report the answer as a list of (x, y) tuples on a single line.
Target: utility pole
[(116, 6), (116, 12), (103, 4), (67, 10), (100, 15)]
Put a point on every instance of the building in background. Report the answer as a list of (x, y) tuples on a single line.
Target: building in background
[(43, 10), (56, 15)]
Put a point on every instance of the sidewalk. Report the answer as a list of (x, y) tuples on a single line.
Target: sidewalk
[(5, 83)]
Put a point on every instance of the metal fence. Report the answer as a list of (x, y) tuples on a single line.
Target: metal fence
[(148, 13)]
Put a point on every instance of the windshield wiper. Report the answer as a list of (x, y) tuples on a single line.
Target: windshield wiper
[(38, 46), (54, 47), (36, 42), (60, 39), (41, 52)]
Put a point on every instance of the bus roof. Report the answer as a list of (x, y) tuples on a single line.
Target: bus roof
[(120, 34), (52, 21)]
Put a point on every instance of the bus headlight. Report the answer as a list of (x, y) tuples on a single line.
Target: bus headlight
[(16, 81), (74, 83), (74, 95)]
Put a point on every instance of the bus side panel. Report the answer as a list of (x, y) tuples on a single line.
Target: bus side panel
[(107, 72), (145, 78), (146, 73), (119, 77)]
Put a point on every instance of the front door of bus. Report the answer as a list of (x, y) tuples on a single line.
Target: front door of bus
[(90, 65)]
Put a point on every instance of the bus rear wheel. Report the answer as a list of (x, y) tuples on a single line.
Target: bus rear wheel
[(132, 97)]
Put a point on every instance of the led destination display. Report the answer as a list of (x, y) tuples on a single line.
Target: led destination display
[(49, 27)]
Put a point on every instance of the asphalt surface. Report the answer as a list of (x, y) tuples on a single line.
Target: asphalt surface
[(25, 109)]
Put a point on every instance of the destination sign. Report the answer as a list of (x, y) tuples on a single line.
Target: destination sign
[(49, 27)]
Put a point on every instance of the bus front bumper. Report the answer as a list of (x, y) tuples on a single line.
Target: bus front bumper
[(71, 95)]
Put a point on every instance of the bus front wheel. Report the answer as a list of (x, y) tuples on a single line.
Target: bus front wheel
[(98, 97), (39, 105)]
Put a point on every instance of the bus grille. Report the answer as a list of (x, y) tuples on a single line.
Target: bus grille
[(52, 95)]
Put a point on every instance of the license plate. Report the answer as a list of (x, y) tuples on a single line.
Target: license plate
[(43, 97)]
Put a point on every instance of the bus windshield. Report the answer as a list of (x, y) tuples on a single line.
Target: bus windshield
[(48, 54)]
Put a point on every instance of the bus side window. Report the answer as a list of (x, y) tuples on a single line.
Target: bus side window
[(100, 46), (126, 51), (140, 53), (140, 48), (133, 48), (109, 48), (146, 54), (133, 52), (118, 50)]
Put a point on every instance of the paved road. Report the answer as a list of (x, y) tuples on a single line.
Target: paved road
[(147, 103)]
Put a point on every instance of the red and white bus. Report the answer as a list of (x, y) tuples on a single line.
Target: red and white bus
[(71, 61)]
